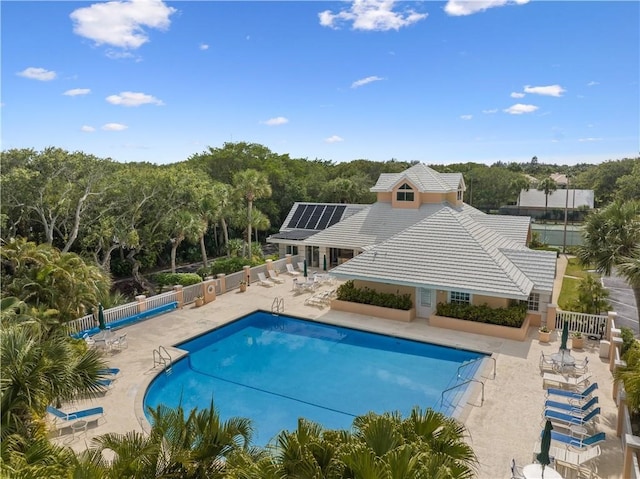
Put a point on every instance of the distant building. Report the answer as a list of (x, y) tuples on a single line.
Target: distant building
[(532, 203)]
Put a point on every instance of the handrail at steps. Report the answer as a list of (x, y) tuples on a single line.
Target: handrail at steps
[(160, 359), (476, 360), (278, 305), (462, 384)]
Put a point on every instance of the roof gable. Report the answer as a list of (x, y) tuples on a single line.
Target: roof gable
[(425, 179)]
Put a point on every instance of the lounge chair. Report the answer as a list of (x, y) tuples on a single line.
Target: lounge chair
[(301, 266), (292, 271), (577, 442), (273, 276), (109, 372), (572, 458), (565, 419), (573, 408), (585, 395), (62, 420), (566, 381), (264, 281)]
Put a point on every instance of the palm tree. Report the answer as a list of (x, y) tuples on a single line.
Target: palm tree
[(518, 184), (193, 445), (251, 185), (612, 242), (548, 186)]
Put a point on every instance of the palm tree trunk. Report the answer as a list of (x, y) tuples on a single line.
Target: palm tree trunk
[(225, 232), (203, 251), (250, 207)]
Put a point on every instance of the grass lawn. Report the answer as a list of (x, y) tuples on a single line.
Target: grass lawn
[(575, 269), (568, 293)]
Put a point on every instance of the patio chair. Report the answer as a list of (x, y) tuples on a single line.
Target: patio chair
[(546, 363), (578, 442), (273, 276), (585, 395), (120, 342), (263, 281), (565, 419), (581, 368), (292, 271), (566, 381), (301, 266), (62, 420), (573, 408)]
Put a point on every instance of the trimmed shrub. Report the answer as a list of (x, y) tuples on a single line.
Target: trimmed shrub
[(170, 279), (348, 292), (513, 316)]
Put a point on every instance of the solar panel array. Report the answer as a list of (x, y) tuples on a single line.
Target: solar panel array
[(316, 217)]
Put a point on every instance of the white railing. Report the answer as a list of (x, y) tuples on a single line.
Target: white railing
[(587, 324), (190, 293), (161, 299)]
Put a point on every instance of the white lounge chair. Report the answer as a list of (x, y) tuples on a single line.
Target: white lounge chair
[(566, 381), (273, 276), (264, 281), (292, 271), (301, 265)]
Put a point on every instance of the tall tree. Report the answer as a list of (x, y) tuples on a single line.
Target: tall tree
[(518, 184), (251, 185), (612, 242), (548, 186)]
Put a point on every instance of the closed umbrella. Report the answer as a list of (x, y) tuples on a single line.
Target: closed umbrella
[(305, 268), (324, 262), (101, 322), (545, 444), (565, 335)]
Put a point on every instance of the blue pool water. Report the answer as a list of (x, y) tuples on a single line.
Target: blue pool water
[(275, 369)]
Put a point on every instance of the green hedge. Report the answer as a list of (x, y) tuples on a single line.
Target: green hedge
[(169, 279), (227, 266), (513, 316), (348, 292)]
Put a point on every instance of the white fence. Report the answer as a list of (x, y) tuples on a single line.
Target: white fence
[(587, 324)]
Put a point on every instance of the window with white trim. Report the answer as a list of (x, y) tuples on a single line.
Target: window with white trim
[(458, 297), (405, 193), (459, 195), (533, 303)]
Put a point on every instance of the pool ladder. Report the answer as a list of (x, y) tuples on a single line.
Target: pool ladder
[(277, 306), (161, 357)]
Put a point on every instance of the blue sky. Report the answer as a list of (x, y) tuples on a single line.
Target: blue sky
[(437, 82)]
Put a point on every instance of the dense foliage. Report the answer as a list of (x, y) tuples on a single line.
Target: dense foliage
[(513, 316), (347, 291), (171, 279)]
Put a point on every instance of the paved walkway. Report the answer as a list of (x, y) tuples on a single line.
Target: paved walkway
[(507, 425)]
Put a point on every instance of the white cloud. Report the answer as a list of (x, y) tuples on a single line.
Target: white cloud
[(519, 109), (38, 74), (130, 98), (333, 139), (77, 92), (550, 90), (459, 8), (88, 129), (122, 23), (585, 140), (364, 81), (114, 127), (593, 83), (278, 120), (488, 112), (204, 46), (376, 15), (516, 94), (466, 117)]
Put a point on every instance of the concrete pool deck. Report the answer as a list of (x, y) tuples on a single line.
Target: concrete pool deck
[(507, 425)]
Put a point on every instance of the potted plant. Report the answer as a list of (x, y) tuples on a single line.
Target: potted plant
[(199, 301), (243, 286), (577, 340), (544, 335)]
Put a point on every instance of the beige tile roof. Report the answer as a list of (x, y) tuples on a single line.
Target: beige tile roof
[(424, 178), (450, 251), (513, 227)]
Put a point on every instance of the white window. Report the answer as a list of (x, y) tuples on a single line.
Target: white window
[(457, 297), (459, 195), (405, 193), (533, 303)]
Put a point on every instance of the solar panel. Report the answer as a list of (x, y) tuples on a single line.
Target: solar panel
[(314, 217), (337, 214), (296, 216), (326, 216)]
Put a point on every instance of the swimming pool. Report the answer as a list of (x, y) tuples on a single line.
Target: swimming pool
[(275, 369)]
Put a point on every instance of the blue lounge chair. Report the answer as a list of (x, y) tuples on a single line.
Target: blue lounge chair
[(109, 372), (74, 416), (578, 396), (577, 442), (567, 419), (573, 408)]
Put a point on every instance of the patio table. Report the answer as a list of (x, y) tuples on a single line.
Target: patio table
[(563, 359), (534, 471)]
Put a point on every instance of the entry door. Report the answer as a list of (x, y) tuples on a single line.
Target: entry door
[(424, 307)]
